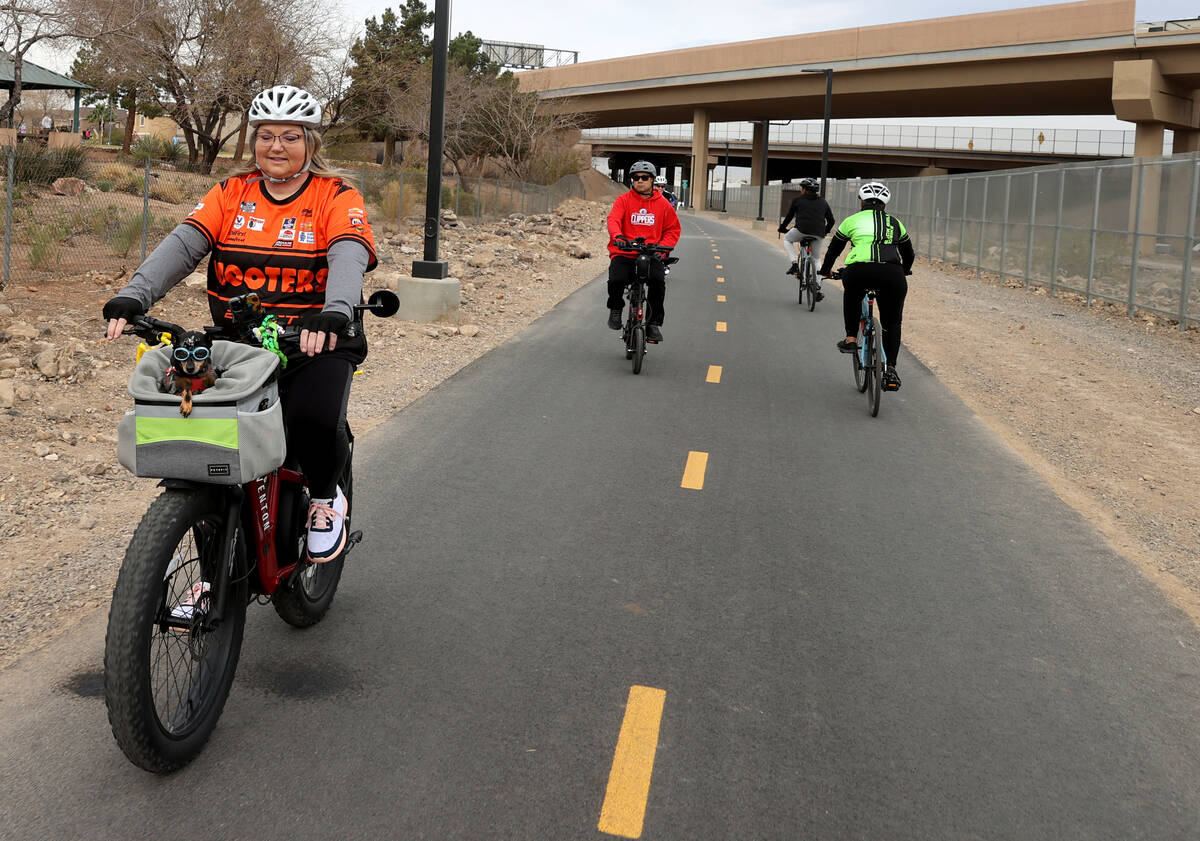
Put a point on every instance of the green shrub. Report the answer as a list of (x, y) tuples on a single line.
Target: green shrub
[(46, 243), (128, 233), (171, 152), (104, 185), (146, 148), (117, 138), (34, 164)]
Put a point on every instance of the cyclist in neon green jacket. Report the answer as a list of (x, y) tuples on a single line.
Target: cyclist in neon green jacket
[(881, 256)]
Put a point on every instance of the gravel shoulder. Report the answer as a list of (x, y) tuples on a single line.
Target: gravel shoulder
[(1106, 407)]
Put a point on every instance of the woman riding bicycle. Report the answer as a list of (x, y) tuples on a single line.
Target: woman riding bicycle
[(880, 257), (290, 229)]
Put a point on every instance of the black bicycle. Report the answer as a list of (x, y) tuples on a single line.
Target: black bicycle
[(869, 359), (634, 332)]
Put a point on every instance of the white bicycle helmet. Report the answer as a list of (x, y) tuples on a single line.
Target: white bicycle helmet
[(874, 190), (285, 104), (660, 181)]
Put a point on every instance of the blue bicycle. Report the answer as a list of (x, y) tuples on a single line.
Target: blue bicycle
[(869, 360)]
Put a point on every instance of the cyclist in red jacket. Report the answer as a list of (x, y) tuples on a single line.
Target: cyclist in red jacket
[(642, 212)]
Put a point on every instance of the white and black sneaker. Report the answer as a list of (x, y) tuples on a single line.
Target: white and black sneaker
[(326, 528)]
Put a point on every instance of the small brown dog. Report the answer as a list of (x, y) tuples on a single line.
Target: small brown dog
[(191, 368)]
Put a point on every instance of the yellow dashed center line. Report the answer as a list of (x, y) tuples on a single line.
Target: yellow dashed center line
[(714, 374), (624, 809), (693, 471), (720, 280), (721, 327), (720, 299), (719, 266)]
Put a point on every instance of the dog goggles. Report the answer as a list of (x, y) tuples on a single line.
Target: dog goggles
[(182, 354)]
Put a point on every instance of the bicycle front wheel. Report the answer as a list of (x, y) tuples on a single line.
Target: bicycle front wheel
[(638, 343), (875, 388), (167, 668)]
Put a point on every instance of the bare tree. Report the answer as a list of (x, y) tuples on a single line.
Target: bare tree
[(24, 23), (204, 60), (517, 129)]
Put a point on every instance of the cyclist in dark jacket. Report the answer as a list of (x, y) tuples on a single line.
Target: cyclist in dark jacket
[(813, 219), (881, 256)]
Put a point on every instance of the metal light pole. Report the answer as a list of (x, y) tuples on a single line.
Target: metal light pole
[(828, 71), (431, 267), (762, 183), (725, 190)]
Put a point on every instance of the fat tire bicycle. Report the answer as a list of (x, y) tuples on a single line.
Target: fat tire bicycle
[(633, 334), (201, 553)]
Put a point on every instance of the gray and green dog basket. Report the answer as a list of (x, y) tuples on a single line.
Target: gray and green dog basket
[(234, 433)]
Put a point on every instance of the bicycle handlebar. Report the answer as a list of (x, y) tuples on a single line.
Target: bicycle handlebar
[(640, 245)]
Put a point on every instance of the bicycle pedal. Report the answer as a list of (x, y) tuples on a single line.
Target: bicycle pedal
[(353, 539)]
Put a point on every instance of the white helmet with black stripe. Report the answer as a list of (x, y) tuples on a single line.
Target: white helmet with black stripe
[(874, 191)]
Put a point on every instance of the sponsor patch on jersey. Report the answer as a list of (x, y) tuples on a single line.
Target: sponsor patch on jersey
[(248, 206), (356, 211), (239, 221), (287, 233), (256, 224), (306, 226), (307, 238), (282, 243), (360, 229), (641, 217), (354, 220), (197, 208), (306, 212), (290, 222)]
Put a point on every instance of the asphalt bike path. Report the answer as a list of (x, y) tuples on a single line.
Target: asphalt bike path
[(715, 600)]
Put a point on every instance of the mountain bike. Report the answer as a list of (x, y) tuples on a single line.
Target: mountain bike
[(869, 360), (633, 334), (203, 551), (808, 274)]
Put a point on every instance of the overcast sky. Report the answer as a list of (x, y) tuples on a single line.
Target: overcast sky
[(629, 27), (606, 29)]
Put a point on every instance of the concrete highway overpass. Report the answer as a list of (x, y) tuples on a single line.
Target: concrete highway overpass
[(1087, 57)]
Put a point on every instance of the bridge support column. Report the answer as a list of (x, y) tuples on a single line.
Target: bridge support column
[(932, 170), (698, 180), (1186, 140), (757, 176)]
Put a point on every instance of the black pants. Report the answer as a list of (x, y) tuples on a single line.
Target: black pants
[(315, 392), (620, 272), (889, 281)]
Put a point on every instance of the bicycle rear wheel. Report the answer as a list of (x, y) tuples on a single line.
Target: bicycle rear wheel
[(638, 343), (167, 669), (875, 388), (810, 284)]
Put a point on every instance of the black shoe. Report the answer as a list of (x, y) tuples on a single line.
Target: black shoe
[(614, 319), (891, 380), (820, 295), (653, 334), (793, 270), (847, 347)]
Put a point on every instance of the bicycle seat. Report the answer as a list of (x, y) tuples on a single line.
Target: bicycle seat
[(807, 238)]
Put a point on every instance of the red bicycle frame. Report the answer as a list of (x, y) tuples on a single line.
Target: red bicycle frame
[(262, 504)]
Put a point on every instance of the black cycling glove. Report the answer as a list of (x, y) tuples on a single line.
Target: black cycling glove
[(783, 229), (122, 307), (324, 322)]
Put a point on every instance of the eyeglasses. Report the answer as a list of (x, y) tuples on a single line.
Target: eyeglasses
[(182, 354), (641, 177), (265, 138)]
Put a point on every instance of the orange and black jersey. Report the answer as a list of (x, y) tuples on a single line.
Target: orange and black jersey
[(278, 249)]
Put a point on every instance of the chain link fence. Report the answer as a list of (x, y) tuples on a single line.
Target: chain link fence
[(1122, 231), (68, 213)]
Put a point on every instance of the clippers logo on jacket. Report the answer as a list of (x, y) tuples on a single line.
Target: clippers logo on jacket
[(634, 215), (262, 253)]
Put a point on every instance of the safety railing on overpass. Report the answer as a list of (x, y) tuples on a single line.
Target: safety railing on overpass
[(1100, 143), (1123, 231)]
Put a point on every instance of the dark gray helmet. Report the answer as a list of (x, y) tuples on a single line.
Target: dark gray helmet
[(643, 166), (809, 184)]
